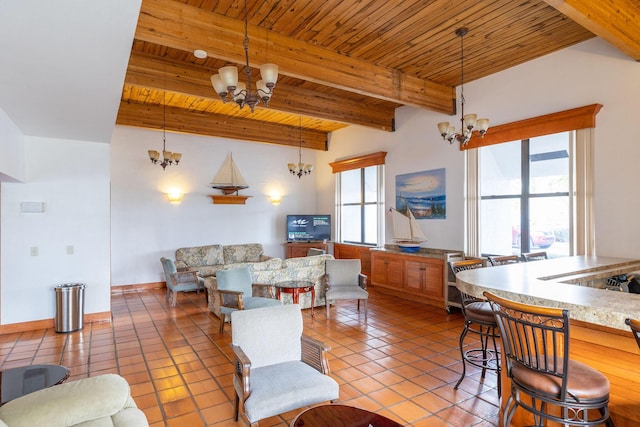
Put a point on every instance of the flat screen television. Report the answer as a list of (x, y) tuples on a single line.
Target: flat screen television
[(308, 228)]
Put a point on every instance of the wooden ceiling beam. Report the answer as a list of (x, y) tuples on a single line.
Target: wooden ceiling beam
[(173, 24), (158, 73), (616, 21), (180, 120)]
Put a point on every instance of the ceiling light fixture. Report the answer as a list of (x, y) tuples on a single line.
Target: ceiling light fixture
[(168, 158), (300, 168), (468, 121), (226, 82)]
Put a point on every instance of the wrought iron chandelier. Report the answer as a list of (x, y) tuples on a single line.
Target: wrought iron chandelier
[(168, 158), (300, 168), (226, 82), (469, 122)]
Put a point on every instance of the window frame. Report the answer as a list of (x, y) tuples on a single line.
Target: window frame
[(361, 163)]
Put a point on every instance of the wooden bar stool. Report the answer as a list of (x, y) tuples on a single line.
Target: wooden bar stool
[(479, 320), (544, 381)]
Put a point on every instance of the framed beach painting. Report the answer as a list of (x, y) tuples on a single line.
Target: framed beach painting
[(422, 192)]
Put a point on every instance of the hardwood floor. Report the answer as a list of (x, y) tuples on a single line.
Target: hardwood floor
[(402, 364)]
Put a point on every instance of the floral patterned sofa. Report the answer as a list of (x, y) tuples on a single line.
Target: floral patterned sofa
[(276, 270), (206, 260)]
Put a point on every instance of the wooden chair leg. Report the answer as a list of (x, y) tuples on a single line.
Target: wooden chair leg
[(222, 319), (328, 309), (237, 407)]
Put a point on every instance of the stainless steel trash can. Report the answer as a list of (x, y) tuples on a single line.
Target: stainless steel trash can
[(69, 307)]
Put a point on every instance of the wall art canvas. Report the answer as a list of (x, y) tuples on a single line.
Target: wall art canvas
[(422, 192)]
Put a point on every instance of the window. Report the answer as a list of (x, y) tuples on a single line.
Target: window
[(521, 195), (360, 199), (525, 196)]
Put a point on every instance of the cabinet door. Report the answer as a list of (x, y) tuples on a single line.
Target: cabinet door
[(394, 272), (386, 270), (378, 270), (414, 276), (433, 279)]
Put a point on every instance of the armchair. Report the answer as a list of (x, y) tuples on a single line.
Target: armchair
[(343, 280), (277, 368), (236, 292), (179, 281), (104, 400)]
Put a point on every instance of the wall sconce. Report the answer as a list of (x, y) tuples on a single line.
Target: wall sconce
[(175, 198), (275, 199)]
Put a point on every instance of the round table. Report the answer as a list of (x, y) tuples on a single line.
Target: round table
[(294, 287), (16, 382), (341, 415)]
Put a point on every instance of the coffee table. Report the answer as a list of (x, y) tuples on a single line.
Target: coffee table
[(294, 287), (16, 382), (341, 415)]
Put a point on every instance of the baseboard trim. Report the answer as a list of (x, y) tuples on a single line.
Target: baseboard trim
[(34, 325), (138, 287)]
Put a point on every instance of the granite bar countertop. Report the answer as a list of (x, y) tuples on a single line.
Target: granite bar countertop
[(423, 252), (555, 283)]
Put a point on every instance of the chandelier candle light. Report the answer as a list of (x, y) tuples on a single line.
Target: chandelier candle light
[(300, 168), (469, 122), (168, 158), (226, 82)]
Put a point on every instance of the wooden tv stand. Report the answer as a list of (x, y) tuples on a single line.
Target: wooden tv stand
[(299, 249)]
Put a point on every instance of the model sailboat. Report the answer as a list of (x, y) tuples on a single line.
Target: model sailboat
[(406, 231), (229, 181)]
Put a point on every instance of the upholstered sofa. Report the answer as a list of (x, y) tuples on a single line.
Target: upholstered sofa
[(276, 270), (104, 400), (206, 260)]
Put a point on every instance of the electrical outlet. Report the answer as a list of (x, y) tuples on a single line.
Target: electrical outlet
[(34, 251), (70, 250)]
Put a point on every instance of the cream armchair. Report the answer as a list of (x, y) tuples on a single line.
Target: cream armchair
[(277, 368), (345, 281), (104, 400)]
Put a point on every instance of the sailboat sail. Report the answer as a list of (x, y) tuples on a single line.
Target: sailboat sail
[(406, 229), (228, 179)]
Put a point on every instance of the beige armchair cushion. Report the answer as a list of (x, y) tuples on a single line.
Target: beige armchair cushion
[(104, 400)]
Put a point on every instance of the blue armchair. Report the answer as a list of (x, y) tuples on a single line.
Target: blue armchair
[(236, 289), (179, 281)]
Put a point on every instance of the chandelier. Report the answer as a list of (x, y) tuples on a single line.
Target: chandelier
[(300, 168), (469, 122), (168, 158), (226, 82)]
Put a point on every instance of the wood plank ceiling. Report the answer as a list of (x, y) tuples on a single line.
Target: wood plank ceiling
[(342, 62)]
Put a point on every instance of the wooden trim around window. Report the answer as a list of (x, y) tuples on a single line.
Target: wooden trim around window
[(563, 121), (359, 162)]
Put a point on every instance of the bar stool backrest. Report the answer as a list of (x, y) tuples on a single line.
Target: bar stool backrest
[(534, 256), (467, 264), (535, 337), (504, 259)]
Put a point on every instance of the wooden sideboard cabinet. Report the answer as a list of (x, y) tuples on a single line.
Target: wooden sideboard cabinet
[(347, 251), (415, 276), (299, 249)]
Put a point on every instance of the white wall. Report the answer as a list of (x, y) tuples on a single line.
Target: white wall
[(145, 226), (415, 146), (588, 73), (11, 150), (72, 179)]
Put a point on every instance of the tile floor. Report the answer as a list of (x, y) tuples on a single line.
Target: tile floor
[(402, 364)]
